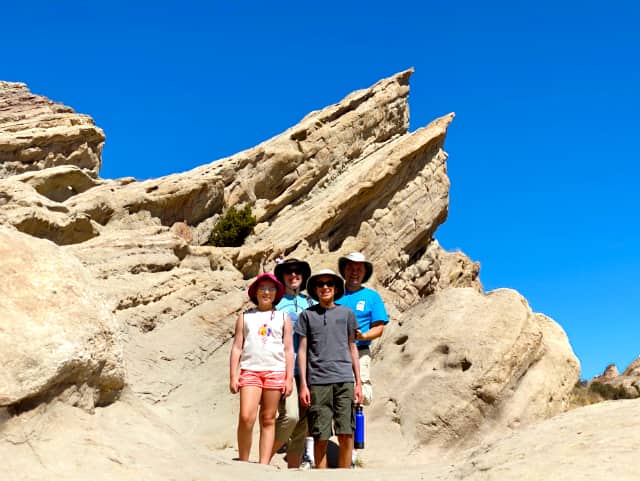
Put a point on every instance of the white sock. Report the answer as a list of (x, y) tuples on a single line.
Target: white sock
[(354, 456), (309, 449)]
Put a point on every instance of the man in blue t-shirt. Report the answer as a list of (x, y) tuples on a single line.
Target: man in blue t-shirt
[(368, 308), (291, 423)]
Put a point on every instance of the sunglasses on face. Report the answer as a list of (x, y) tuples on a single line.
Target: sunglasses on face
[(325, 284), (267, 289), (293, 271)]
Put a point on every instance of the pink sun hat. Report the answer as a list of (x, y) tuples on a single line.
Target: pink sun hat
[(270, 277)]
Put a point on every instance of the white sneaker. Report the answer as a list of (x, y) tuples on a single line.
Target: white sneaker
[(306, 463)]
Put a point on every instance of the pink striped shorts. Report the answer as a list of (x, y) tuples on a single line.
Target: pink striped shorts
[(262, 379)]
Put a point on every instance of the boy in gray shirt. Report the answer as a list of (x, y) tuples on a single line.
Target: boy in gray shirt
[(329, 366)]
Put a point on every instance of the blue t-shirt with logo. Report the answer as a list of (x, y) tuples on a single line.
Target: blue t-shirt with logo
[(368, 308), (293, 306)]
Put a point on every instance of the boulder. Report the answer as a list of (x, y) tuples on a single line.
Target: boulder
[(463, 367), (57, 336)]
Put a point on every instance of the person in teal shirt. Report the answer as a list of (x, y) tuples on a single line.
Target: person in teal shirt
[(291, 423)]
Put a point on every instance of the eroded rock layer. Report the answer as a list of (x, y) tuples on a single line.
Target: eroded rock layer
[(36, 133)]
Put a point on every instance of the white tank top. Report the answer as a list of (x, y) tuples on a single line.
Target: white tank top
[(263, 348)]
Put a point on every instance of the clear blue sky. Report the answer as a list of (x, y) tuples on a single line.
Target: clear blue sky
[(543, 151)]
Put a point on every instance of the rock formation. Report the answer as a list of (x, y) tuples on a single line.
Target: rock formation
[(462, 358), (484, 363), (57, 336), (613, 385), (36, 133)]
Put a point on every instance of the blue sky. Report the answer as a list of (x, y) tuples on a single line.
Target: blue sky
[(543, 151)]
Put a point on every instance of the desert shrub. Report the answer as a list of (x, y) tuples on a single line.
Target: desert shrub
[(610, 391), (585, 393), (581, 395), (233, 227)]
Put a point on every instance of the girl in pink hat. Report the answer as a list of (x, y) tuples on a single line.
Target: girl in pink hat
[(261, 364)]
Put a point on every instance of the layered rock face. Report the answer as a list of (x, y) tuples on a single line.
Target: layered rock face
[(36, 133), (348, 177)]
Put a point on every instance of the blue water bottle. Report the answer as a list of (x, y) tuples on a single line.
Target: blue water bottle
[(358, 442)]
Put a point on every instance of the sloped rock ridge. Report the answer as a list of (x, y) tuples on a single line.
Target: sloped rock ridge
[(142, 365)]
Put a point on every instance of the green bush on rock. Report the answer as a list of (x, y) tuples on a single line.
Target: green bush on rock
[(233, 227)]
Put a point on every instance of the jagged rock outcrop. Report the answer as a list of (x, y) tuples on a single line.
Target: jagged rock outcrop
[(633, 369), (57, 336), (348, 177), (36, 133), (386, 193), (610, 372)]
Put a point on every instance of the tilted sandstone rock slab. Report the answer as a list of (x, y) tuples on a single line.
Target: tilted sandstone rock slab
[(347, 177), (187, 197), (36, 133), (463, 366), (55, 332), (395, 178)]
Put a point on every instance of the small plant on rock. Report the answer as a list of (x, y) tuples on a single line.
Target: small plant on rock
[(233, 227)]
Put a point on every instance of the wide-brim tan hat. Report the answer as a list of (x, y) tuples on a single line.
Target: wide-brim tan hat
[(311, 284), (356, 257)]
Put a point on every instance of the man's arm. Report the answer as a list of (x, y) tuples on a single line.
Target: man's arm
[(355, 365), (375, 332)]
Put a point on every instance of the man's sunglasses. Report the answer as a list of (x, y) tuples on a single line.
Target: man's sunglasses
[(325, 283), (293, 271)]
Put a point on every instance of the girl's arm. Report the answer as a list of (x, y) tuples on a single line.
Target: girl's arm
[(234, 358), (288, 354)]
